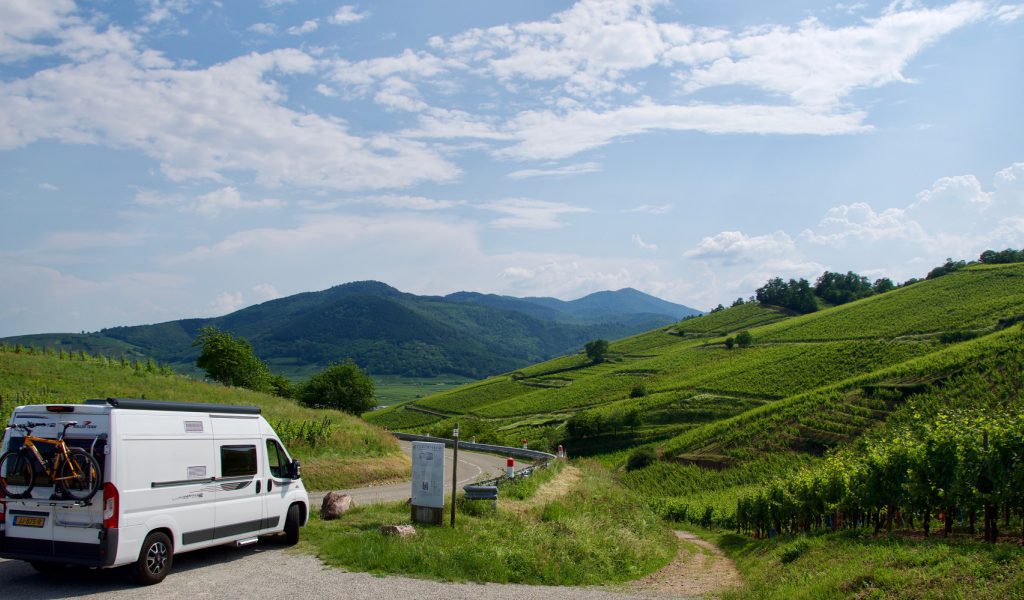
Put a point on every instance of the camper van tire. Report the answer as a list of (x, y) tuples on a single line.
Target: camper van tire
[(155, 559), (291, 525)]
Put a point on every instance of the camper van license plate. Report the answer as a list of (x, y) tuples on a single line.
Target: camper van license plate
[(25, 521)]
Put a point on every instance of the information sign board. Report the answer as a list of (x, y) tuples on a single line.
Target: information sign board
[(428, 474)]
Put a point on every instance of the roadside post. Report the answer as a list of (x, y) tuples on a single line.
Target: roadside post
[(510, 467), (455, 469), (428, 482)]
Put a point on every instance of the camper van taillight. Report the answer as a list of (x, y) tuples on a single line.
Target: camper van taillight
[(61, 409), (3, 508), (110, 506)]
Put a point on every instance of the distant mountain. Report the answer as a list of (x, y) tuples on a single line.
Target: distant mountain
[(387, 331), (597, 307)]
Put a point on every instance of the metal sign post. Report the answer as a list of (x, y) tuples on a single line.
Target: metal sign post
[(455, 469)]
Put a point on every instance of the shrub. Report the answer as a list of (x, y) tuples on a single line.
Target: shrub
[(640, 458)]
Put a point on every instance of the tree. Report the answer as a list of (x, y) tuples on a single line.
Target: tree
[(796, 295), (744, 339), (840, 289), (730, 342), (737, 302), (596, 350), (342, 386), (946, 268), (883, 285), (230, 360)]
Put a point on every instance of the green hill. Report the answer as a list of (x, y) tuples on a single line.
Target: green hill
[(388, 332), (343, 451), (723, 421)]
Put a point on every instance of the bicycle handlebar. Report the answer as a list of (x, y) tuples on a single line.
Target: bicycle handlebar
[(28, 427)]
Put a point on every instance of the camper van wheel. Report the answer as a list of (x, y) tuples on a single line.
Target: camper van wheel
[(155, 559), (291, 525), (48, 568)]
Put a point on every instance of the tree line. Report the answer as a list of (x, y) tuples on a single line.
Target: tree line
[(230, 360), (798, 295)]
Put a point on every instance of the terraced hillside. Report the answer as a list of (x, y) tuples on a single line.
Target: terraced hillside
[(724, 419), (337, 449)]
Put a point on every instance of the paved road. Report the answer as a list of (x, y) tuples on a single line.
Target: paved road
[(473, 466)]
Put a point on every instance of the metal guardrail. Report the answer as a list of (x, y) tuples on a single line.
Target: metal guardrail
[(542, 458)]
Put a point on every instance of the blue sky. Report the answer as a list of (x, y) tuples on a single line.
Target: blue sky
[(169, 159)]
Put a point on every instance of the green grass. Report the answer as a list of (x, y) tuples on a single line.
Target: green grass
[(599, 533), (969, 299), (736, 318), (353, 454), (854, 565)]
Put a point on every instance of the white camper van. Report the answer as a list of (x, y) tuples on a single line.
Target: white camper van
[(174, 477)]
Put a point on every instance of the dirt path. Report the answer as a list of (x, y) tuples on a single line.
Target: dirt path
[(699, 570), (560, 486)]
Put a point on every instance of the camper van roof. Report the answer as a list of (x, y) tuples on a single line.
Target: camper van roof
[(138, 404)]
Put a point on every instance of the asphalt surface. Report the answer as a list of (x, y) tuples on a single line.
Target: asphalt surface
[(473, 466)]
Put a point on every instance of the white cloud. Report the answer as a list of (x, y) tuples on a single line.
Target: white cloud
[(732, 247), (265, 292), (198, 123), (263, 28), (227, 302), (958, 191), (562, 171), (228, 198), (1008, 13), (276, 3), (640, 243), (48, 187), (651, 209), (858, 222), (818, 66), (550, 135), (163, 10), (307, 27), (346, 15), (399, 94), (524, 213), (24, 21), (324, 90)]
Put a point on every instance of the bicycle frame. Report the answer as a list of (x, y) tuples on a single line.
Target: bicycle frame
[(62, 450)]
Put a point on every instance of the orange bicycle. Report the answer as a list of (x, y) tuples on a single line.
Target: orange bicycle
[(74, 472)]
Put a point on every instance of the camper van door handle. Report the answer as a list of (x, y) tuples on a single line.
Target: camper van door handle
[(258, 483), (270, 484)]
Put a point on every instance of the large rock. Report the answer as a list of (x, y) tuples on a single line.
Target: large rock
[(399, 530), (335, 504)]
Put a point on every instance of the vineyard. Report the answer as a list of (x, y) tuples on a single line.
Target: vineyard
[(796, 407)]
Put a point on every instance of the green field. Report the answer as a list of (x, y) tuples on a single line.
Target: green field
[(343, 453)]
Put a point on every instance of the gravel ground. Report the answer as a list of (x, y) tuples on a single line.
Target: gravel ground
[(263, 571)]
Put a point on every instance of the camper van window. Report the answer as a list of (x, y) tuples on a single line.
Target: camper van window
[(237, 461), (278, 459)]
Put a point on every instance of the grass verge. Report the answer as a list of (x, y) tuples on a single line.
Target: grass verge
[(598, 533), (855, 564)]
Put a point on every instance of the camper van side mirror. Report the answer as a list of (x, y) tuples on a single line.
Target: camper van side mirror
[(295, 469)]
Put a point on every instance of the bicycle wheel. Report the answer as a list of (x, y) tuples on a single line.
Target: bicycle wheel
[(82, 481), (17, 476)]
